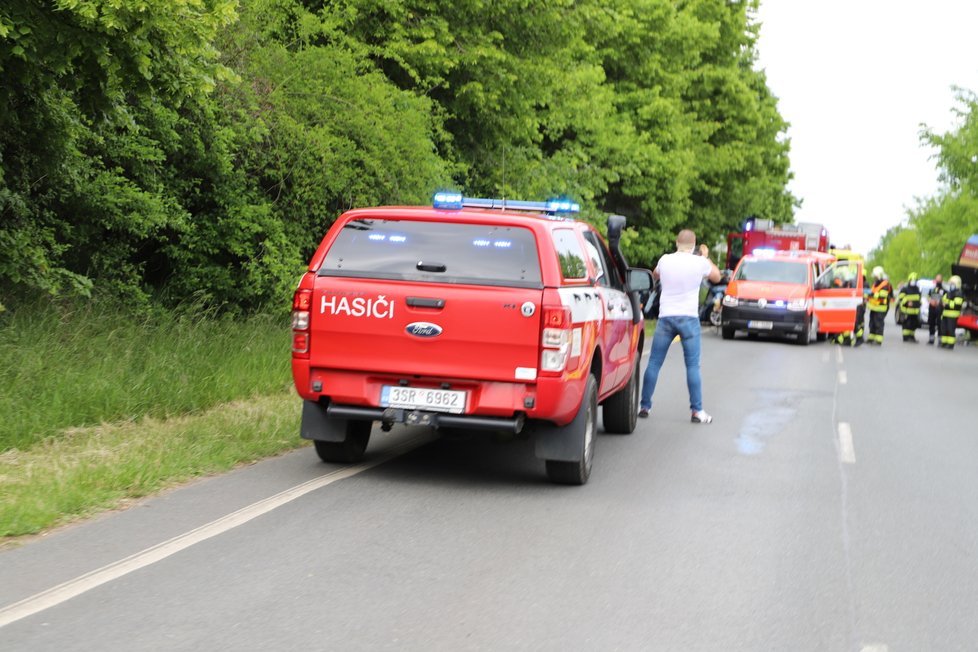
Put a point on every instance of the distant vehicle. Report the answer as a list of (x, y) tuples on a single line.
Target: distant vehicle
[(774, 292), (764, 234), (967, 269), (711, 309)]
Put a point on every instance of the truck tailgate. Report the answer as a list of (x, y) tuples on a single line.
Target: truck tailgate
[(465, 331)]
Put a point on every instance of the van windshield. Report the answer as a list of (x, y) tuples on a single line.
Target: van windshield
[(435, 252), (773, 271)]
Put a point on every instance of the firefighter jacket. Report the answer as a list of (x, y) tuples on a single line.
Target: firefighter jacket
[(953, 303), (910, 299), (880, 295)]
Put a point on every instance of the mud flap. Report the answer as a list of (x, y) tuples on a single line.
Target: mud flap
[(561, 443), (317, 426)]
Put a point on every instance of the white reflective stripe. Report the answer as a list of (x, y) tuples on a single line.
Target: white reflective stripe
[(618, 307), (837, 303), (585, 304)]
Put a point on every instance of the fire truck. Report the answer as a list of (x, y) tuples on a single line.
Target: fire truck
[(967, 269), (760, 233)]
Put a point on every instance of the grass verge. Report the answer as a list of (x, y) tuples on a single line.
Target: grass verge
[(66, 367), (91, 469)]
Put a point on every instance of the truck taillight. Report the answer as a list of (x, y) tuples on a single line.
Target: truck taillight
[(555, 338), (302, 300), (301, 304)]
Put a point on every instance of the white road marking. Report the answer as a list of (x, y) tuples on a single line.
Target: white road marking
[(875, 647), (847, 451), (838, 354), (73, 588), (843, 377)]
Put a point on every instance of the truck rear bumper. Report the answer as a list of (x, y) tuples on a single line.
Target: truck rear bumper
[(390, 416)]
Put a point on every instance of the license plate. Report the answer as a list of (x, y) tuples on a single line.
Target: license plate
[(761, 325), (420, 398)]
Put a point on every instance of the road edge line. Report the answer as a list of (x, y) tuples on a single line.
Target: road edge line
[(93, 579)]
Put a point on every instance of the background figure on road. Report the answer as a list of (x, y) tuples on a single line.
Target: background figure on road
[(680, 274), (953, 302), (935, 300), (909, 307), (879, 305)]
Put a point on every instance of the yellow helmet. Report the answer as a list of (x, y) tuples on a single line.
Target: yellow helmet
[(912, 278), (954, 281)]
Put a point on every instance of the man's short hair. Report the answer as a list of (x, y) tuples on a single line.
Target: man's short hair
[(686, 239)]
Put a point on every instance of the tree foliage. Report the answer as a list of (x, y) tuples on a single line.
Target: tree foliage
[(937, 228), (178, 148)]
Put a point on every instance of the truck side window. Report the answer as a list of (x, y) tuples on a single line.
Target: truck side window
[(570, 254), (607, 273)]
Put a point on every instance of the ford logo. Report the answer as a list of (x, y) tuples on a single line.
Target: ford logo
[(423, 329)]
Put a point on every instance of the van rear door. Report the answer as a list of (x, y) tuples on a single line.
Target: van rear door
[(838, 296)]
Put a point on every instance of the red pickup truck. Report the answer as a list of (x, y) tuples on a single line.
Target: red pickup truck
[(469, 314)]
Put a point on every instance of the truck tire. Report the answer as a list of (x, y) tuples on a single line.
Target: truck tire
[(350, 449), (620, 410), (583, 427)]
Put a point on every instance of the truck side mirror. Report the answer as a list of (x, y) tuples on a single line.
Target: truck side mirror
[(639, 280)]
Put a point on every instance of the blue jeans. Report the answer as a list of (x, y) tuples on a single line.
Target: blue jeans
[(688, 329)]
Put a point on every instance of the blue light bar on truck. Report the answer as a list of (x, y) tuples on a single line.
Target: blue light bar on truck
[(454, 201)]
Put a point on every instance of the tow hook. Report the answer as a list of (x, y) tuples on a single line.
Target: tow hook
[(390, 417)]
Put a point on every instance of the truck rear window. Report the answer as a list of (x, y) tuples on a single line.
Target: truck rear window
[(435, 252)]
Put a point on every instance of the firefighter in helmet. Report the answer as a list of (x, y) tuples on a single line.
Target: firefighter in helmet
[(934, 300), (880, 296), (909, 307), (953, 302)]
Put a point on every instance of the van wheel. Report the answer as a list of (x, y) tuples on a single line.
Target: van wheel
[(727, 332), (583, 427), (620, 411), (805, 336), (350, 449)]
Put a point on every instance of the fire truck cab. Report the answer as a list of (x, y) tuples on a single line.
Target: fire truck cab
[(760, 233)]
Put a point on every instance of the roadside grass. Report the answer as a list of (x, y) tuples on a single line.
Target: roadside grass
[(75, 367), (91, 469)]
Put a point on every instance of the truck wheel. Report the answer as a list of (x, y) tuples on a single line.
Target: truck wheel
[(583, 427), (727, 332), (350, 449), (620, 410)]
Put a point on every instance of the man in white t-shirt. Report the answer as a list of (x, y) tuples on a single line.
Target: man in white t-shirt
[(680, 274)]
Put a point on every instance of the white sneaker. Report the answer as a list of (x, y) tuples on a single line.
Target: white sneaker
[(701, 417)]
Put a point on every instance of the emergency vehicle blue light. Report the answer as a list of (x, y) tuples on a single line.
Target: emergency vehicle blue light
[(398, 238), (447, 200), (502, 244), (451, 201), (779, 303), (377, 236), (563, 206), (481, 242), (748, 226)]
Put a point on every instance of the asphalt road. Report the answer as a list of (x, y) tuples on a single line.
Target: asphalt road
[(830, 506)]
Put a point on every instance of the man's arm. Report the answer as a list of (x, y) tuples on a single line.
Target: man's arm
[(714, 274)]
